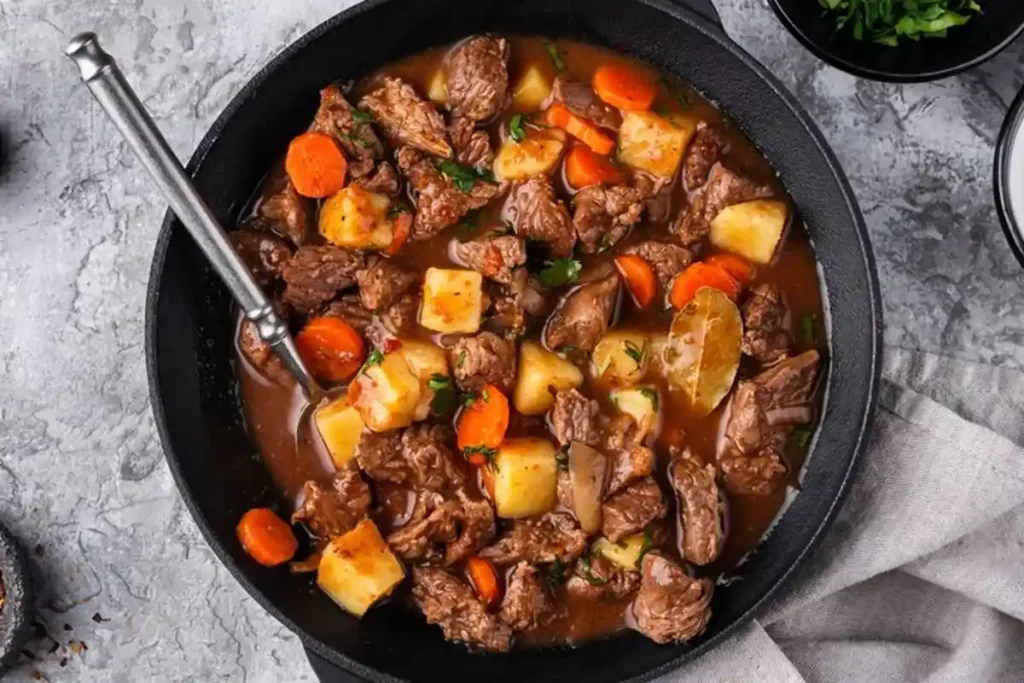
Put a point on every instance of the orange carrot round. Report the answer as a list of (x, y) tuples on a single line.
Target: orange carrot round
[(701, 275), (484, 579), (639, 277), (583, 167), (740, 270), (624, 87), (332, 350), (266, 537), (484, 423), (315, 165), (558, 115), (401, 228)]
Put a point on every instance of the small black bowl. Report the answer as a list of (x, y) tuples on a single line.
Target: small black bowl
[(16, 611), (980, 39), (1010, 156)]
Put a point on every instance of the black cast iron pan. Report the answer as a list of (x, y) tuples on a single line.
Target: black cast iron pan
[(190, 322)]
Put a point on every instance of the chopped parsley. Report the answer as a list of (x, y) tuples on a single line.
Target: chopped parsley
[(635, 352), (801, 437), (461, 360), (809, 328), (646, 546), (360, 116), (588, 572), (376, 357), (554, 573), (444, 393), (470, 222), (556, 56), (885, 21), (651, 394), (560, 272), (463, 177), (515, 128), (467, 400), (351, 138), (488, 453), (398, 209)]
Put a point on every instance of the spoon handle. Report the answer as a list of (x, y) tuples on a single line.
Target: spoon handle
[(104, 79)]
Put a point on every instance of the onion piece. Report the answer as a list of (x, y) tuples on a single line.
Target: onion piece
[(587, 470)]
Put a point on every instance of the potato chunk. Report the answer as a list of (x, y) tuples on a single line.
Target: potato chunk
[(537, 154), (530, 91), (540, 373), (626, 553), (751, 229), (452, 300), (525, 478), (620, 359), (641, 404), (357, 219), (654, 143), (340, 425), (386, 393), (425, 360), (358, 569), (437, 89)]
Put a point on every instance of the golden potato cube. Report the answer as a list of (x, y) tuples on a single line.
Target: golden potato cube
[(540, 371), (654, 143), (358, 569), (620, 359), (530, 91), (751, 229), (641, 404), (388, 393), (356, 218), (537, 154), (340, 426), (525, 478), (626, 553), (425, 359), (437, 89), (452, 300)]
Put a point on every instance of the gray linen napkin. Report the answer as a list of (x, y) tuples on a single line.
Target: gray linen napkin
[(922, 576)]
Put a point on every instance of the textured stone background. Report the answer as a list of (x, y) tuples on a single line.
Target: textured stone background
[(81, 472)]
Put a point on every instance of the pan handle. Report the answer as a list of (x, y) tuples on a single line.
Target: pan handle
[(107, 84)]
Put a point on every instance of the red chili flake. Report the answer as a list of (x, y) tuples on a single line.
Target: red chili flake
[(391, 345)]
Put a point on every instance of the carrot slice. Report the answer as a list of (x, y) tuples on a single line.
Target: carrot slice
[(583, 167), (701, 275), (559, 115), (484, 579), (624, 87), (740, 270), (315, 165), (332, 350), (402, 226), (640, 278), (266, 537), (484, 423)]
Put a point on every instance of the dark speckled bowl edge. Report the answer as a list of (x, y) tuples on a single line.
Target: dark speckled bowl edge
[(16, 613)]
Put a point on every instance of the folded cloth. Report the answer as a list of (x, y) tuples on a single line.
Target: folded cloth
[(922, 576)]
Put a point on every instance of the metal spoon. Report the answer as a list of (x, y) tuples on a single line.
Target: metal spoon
[(106, 82)]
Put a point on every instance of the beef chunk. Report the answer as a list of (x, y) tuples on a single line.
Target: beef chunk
[(287, 211), (260, 355), (382, 282), (671, 606), (515, 302), (628, 465), (397, 321), (579, 98), (483, 359), (724, 188), (336, 118), (668, 260), (476, 528), (453, 605), (444, 530), (574, 418), (472, 146), (656, 192), (333, 508), (603, 215), (762, 414), (528, 604), (597, 578), (493, 256), (478, 77), (316, 274), (406, 118), (263, 253), (584, 315), (765, 337), (555, 536), (617, 432), (349, 309), (700, 508), (538, 215), (382, 180), (418, 455), (704, 152), (631, 509), (439, 203)]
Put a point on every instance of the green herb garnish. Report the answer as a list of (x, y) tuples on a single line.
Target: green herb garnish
[(561, 272), (808, 328), (646, 546), (360, 116), (470, 222), (556, 57), (801, 437), (635, 352), (463, 177), (444, 393), (398, 209), (588, 572), (351, 138), (467, 400), (886, 21), (515, 128), (651, 394), (376, 357), (554, 573), (461, 360), (488, 453)]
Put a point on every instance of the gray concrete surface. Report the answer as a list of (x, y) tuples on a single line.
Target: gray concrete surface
[(81, 471)]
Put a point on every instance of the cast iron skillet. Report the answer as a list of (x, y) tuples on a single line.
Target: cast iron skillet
[(190, 322)]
